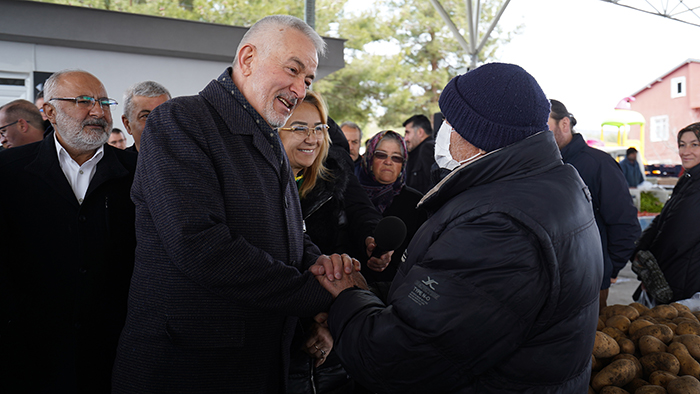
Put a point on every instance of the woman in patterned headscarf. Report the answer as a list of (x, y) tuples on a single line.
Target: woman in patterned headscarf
[(383, 176)]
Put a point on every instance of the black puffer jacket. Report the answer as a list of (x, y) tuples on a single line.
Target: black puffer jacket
[(673, 237), (499, 291), (337, 213)]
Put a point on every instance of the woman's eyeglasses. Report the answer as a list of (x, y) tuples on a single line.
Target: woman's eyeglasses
[(305, 131), (383, 155)]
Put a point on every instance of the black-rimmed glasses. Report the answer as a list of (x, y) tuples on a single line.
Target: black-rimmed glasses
[(383, 155), (87, 102), (3, 129), (305, 131)]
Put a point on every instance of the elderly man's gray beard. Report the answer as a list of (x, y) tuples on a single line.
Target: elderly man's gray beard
[(273, 118), (72, 132)]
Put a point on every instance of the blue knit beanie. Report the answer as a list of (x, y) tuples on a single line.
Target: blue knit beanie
[(495, 105)]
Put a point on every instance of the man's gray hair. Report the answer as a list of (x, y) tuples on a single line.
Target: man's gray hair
[(352, 125), (51, 84), (145, 89), (264, 25)]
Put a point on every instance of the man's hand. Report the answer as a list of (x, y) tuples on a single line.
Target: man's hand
[(319, 342), (380, 263), (334, 265), (336, 286)]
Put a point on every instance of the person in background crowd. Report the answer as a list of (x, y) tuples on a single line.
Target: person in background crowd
[(672, 236), (632, 169), (335, 221), (20, 124), (503, 275), (70, 220), (117, 139), (615, 213), (383, 176), (421, 146), (353, 133), (223, 267), (139, 101), (39, 102)]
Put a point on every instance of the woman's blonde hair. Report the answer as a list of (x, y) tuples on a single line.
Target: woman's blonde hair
[(317, 169)]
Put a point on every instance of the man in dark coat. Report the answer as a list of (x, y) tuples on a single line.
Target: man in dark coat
[(498, 292), (421, 146), (221, 261), (615, 214), (68, 227)]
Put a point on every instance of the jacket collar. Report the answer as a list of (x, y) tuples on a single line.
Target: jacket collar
[(576, 145), (533, 155), (46, 167)]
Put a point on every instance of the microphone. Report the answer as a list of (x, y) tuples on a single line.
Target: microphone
[(388, 235)]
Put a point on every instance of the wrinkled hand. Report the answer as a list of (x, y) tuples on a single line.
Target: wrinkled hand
[(336, 286), (334, 265), (319, 342), (380, 263)]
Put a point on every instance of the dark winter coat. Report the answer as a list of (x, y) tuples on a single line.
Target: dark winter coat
[(673, 237), (615, 213), (404, 206), (221, 262), (337, 213), (64, 270), (499, 290), (419, 165)]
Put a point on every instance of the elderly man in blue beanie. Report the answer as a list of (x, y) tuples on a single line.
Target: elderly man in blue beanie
[(498, 292)]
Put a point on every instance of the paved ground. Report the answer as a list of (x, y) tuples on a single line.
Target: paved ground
[(621, 292)]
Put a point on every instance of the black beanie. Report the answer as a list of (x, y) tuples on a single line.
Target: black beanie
[(495, 105)]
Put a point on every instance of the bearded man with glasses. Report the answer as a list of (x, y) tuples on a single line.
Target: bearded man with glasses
[(70, 221)]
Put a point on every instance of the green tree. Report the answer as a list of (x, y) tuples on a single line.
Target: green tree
[(399, 53), (424, 56)]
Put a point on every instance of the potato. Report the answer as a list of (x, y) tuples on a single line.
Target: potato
[(601, 325), (688, 364), (624, 310), (637, 324), (670, 325), (661, 378), (681, 319), (649, 344), (650, 389), (683, 385), (620, 322), (660, 362), (688, 328), (691, 342), (688, 315), (617, 373), (639, 307), (680, 307), (659, 331), (590, 390), (596, 363), (614, 333), (663, 312), (626, 345), (649, 318), (613, 390), (638, 365), (697, 315), (635, 384), (605, 346)]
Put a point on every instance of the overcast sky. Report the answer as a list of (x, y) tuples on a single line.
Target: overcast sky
[(590, 54)]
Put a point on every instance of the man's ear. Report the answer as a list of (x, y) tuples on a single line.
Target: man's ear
[(246, 58), (566, 123), (50, 112), (23, 125), (125, 121)]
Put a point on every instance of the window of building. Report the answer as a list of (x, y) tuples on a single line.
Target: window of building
[(678, 87), (658, 128), (13, 86)]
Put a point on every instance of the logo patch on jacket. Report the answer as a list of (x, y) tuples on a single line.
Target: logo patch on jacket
[(423, 291)]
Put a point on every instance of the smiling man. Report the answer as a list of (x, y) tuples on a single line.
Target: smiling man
[(70, 221), (222, 262)]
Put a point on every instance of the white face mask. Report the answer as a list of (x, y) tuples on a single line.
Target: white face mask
[(443, 157)]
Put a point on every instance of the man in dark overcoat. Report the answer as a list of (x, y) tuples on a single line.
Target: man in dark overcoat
[(68, 232), (222, 263)]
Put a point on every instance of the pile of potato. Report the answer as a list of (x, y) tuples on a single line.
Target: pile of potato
[(646, 351)]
